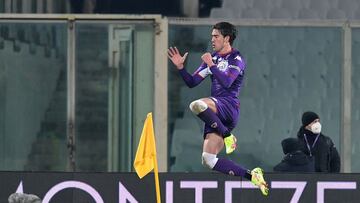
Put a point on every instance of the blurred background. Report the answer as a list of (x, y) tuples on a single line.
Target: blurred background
[(76, 86)]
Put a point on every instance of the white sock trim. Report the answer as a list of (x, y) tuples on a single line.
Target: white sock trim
[(198, 106), (209, 160)]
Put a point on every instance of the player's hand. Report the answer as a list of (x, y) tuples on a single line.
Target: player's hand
[(175, 56), (207, 58)]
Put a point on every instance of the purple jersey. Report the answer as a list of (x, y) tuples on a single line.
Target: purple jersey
[(226, 79), (226, 75)]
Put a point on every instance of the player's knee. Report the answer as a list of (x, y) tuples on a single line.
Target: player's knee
[(198, 106), (209, 160)]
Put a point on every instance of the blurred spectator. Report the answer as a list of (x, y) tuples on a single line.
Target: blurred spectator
[(295, 160), (317, 145)]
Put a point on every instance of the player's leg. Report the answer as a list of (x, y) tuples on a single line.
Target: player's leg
[(206, 110), (213, 144)]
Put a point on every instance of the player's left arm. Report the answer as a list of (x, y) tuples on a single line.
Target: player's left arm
[(236, 67)]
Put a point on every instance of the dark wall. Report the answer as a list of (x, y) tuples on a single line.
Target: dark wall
[(163, 7), (206, 5)]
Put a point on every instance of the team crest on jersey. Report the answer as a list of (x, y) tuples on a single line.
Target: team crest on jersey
[(214, 125), (223, 65)]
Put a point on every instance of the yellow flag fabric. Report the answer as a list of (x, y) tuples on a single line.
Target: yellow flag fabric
[(145, 158)]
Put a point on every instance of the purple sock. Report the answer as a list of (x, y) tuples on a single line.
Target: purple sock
[(210, 118), (229, 167)]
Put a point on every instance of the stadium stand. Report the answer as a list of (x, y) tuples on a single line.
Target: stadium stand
[(288, 9)]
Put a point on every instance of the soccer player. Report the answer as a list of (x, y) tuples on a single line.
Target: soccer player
[(220, 111)]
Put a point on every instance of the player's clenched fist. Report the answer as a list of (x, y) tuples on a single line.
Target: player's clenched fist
[(207, 58)]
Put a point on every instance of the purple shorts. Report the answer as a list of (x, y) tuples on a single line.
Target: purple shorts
[(228, 110)]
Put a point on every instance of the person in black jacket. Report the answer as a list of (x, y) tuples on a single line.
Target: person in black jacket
[(295, 160), (317, 145)]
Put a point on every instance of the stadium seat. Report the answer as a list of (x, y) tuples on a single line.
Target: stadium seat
[(335, 13), (356, 14), (238, 4), (281, 13), (265, 7), (252, 13), (288, 9), (293, 6), (348, 7), (320, 7), (308, 13), (222, 13)]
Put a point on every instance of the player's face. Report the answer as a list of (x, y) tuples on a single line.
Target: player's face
[(218, 41)]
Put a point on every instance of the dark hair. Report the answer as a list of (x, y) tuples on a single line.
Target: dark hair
[(226, 29), (290, 145)]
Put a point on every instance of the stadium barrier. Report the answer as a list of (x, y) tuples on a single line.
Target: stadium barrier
[(60, 187)]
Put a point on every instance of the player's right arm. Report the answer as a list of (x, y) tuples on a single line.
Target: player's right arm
[(178, 60)]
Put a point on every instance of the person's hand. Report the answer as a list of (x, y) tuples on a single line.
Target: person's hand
[(175, 56), (207, 58)]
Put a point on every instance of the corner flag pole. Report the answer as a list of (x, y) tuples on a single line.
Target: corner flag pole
[(145, 158)]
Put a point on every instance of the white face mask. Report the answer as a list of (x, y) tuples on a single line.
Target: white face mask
[(316, 128)]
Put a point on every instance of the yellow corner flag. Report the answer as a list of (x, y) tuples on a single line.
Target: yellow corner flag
[(145, 158)]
